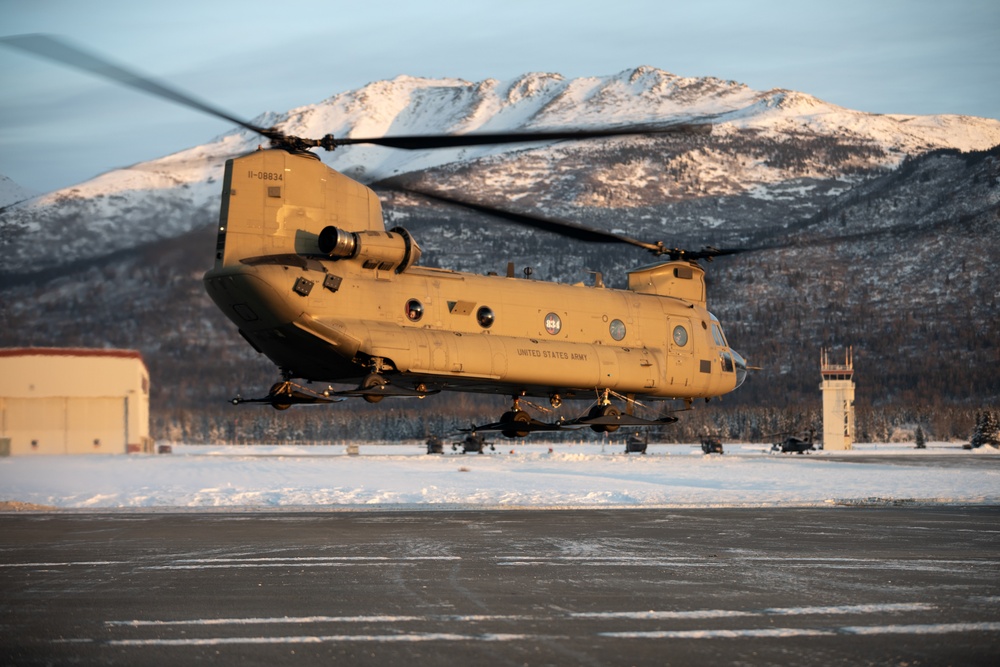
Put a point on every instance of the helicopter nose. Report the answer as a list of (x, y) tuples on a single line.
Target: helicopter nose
[(741, 368)]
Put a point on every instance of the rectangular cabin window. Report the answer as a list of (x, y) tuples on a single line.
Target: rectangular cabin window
[(683, 272), (727, 362)]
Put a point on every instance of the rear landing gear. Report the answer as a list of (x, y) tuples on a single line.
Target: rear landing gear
[(277, 391)]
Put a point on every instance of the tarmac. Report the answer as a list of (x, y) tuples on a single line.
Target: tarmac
[(791, 586)]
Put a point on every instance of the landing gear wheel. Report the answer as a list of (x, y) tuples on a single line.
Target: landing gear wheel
[(604, 411), (370, 382), (279, 389), (518, 417)]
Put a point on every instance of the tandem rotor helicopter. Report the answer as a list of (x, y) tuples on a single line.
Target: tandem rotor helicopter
[(307, 271)]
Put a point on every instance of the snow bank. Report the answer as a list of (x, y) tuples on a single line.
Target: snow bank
[(583, 475)]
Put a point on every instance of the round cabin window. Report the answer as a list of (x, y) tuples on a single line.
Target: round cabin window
[(414, 310), (680, 336), (617, 329), (485, 317)]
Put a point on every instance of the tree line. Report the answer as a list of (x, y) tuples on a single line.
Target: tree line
[(449, 416)]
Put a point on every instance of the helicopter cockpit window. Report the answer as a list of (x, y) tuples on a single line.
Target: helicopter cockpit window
[(680, 336), (485, 317), (414, 310), (727, 362), (720, 340), (717, 335)]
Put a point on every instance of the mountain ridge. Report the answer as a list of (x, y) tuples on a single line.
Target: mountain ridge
[(410, 105), (12, 193)]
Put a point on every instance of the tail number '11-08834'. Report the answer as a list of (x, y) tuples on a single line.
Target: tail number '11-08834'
[(264, 175)]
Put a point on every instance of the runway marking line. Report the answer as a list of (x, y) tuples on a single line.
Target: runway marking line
[(303, 561), (774, 611), (631, 615), (922, 565), (309, 639), (88, 563), (753, 633), (296, 559), (870, 630), (703, 633)]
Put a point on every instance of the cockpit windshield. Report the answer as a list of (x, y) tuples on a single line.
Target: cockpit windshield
[(731, 359), (717, 335)]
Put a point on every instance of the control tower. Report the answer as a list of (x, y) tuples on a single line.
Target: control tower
[(838, 401)]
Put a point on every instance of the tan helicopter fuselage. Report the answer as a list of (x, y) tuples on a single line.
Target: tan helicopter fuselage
[(363, 306)]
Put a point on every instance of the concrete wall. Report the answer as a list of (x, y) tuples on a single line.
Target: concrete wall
[(838, 414)]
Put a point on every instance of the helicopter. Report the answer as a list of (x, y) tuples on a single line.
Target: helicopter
[(435, 445), (472, 442), (310, 276), (793, 444)]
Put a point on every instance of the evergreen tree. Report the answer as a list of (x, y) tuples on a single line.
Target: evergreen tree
[(991, 429), (977, 435), (987, 427), (921, 441)]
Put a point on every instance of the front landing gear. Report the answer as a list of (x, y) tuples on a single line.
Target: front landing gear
[(514, 419), (602, 417), (604, 409)]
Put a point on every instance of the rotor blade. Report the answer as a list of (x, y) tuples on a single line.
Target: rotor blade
[(60, 51), (454, 141), (709, 252), (575, 230), (565, 228)]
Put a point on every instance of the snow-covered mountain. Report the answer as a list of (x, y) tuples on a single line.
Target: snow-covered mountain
[(12, 193), (170, 196)]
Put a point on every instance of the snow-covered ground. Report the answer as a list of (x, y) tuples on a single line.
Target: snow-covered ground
[(523, 475)]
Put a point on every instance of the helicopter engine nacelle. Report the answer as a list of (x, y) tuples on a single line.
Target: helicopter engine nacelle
[(679, 279), (385, 251)]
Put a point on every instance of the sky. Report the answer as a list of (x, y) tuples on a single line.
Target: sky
[(59, 127)]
